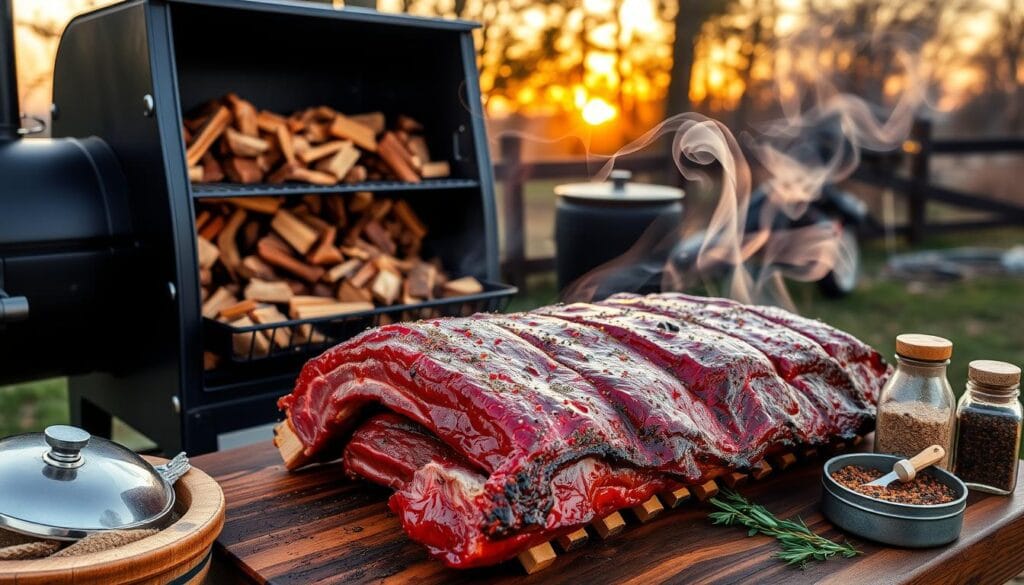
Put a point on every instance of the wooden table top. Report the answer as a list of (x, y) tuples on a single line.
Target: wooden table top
[(315, 525)]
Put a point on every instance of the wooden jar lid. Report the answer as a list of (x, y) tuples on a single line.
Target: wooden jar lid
[(918, 346), (993, 373)]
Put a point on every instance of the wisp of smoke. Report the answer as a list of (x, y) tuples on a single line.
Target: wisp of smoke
[(809, 147)]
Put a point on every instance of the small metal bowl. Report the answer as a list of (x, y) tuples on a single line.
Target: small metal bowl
[(909, 525)]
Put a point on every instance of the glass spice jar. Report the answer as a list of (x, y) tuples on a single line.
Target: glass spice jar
[(916, 408), (988, 427)]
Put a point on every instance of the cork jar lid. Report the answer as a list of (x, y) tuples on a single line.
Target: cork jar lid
[(993, 373), (918, 346)]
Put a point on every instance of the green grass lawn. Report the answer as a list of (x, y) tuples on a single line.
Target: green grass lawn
[(982, 317)]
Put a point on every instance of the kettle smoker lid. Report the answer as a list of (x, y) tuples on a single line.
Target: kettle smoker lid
[(619, 189), (64, 484)]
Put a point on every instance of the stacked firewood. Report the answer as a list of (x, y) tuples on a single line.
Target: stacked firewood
[(264, 260), (230, 140)]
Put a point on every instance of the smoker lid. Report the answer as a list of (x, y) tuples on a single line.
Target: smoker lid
[(619, 189), (64, 484)]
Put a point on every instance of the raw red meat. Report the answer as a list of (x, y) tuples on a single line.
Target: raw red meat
[(507, 430)]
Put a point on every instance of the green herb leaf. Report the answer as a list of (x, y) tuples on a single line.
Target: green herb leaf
[(799, 544)]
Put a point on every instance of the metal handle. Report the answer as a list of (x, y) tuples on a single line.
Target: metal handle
[(175, 468), (66, 443), (619, 179)]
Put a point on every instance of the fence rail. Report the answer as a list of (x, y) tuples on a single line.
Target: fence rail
[(514, 173)]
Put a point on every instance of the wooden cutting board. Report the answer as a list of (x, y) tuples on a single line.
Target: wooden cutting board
[(317, 526)]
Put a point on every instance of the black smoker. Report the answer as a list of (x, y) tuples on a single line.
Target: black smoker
[(597, 223), (97, 236)]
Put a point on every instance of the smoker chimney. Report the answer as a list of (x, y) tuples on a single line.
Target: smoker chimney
[(10, 117)]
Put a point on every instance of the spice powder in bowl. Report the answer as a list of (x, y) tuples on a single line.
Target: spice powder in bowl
[(923, 490)]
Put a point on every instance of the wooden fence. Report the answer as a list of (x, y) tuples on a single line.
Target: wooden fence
[(513, 173)]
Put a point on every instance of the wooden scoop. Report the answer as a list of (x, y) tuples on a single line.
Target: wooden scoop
[(906, 469)]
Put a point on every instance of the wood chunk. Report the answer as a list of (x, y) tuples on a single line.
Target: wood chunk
[(809, 453), (358, 174), (210, 361), (244, 145), (380, 237), (573, 540), (760, 470), (435, 169), (422, 278), (298, 288), (312, 177), (734, 479), (205, 276), (276, 257), (373, 120), (206, 252), (363, 136), (251, 343), (269, 159), (336, 208), (228, 245), (246, 118), (243, 170), (674, 498), (237, 310), (265, 205), (305, 301), (348, 293), (412, 223), (366, 273), (646, 511), (355, 252), (396, 156), (408, 124), (325, 252), (286, 144), (300, 236), (609, 526), (289, 445), (460, 287), (326, 149), (537, 558), (220, 298), (269, 315), (343, 270), (195, 174), (341, 162), (254, 267), (379, 209), (269, 122), (311, 220), (323, 290), (316, 133), (705, 490), (212, 171), (418, 146), (387, 286), (324, 113), (201, 219), (333, 309), (784, 460), (211, 131), (857, 440), (360, 201), (267, 291)]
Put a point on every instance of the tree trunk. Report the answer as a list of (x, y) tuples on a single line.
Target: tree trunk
[(688, 21)]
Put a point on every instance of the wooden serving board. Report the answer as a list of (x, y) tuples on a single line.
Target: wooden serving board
[(315, 525)]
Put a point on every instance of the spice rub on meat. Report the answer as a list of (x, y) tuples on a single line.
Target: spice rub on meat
[(499, 432)]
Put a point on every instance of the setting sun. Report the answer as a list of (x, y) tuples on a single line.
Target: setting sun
[(597, 112)]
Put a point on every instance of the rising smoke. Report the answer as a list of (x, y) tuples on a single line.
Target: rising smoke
[(816, 141)]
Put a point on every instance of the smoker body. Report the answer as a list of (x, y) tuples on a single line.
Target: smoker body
[(126, 73)]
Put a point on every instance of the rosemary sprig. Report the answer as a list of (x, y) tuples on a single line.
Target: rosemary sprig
[(799, 544)]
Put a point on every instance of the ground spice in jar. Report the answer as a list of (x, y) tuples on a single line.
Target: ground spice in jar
[(987, 448), (907, 428), (922, 490)]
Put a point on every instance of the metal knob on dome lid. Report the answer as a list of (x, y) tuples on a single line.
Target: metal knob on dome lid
[(66, 444)]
